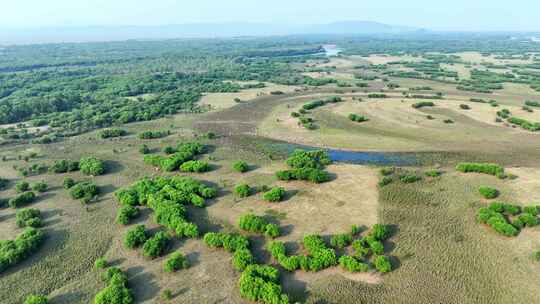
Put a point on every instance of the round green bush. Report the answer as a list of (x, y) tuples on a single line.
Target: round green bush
[(92, 166), (156, 245), (275, 194), (40, 187), (488, 192), (242, 190), (136, 237), (240, 166), (175, 262)]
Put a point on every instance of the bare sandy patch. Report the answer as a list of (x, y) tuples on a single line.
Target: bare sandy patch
[(527, 185)]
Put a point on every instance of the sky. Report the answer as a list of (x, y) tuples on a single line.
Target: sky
[(431, 14)]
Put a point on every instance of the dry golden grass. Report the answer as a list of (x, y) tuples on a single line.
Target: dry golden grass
[(219, 101)]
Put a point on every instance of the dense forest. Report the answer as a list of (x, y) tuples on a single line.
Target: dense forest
[(73, 88)]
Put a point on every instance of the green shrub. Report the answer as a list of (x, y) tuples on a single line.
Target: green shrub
[(101, 263), (126, 213), (14, 251), (537, 255), (351, 264), (117, 291), (175, 262), (68, 183), (382, 264), (92, 166), (491, 169), (229, 241), (409, 178), (167, 294), (260, 283), (240, 166), (375, 245), (488, 192), (153, 134), (358, 118), (156, 245), (271, 230), (361, 248), (135, 237), (422, 104), (28, 218), (84, 190), (22, 186), (528, 219), (242, 258), (22, 199), (64, 166), (341, 240), (387, 171), (464, 107), (308, 159), (109, 133), (40, 187), (533, 210), (321, 256), (385, 180), (242, 190), (36, 299), (433, 173), (380, 232), (169, 150), (276, 194), (195, 166)]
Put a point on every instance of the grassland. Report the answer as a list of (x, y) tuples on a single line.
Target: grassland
[(440, 253)]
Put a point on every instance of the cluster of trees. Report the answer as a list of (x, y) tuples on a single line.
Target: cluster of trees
[(261, 283), (257, 282), (28, 218), (486, 168), (110, 133), (258, 224), (22, 199), (525, 124), (488, 192), (153, 134), (409, 178), (422, 104), (508, 219), (319, 103), (86, 191), (234, 243), (34, 169), (320, 256), (14, 251), (357, 118), (64, 166), (306, 165), (184, 153), (117, 290), (167, 197), (92, 166)]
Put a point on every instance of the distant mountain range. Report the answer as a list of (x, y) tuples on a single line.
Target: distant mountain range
[(200, 30)]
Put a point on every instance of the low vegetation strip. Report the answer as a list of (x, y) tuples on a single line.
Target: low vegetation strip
[(486, 168), (13, 252)]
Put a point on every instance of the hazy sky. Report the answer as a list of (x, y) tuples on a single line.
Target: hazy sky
[(445, 14)]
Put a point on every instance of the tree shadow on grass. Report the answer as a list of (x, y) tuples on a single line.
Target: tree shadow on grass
[(113, 167), (106, 189), (294, 288), (143, 284), (289, 194)]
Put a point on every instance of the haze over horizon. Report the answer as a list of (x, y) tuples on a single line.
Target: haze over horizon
[(459, 15)]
